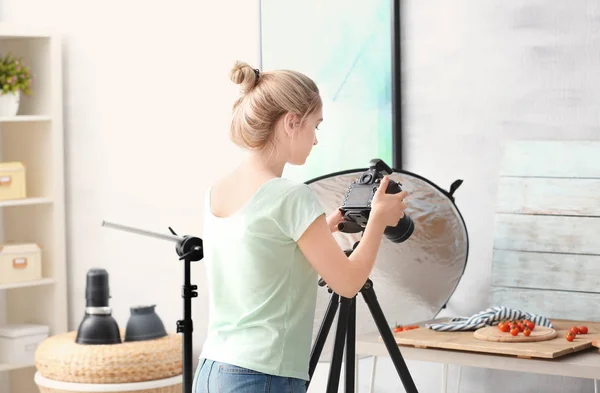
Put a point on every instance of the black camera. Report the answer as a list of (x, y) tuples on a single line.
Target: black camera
[(356, 205)]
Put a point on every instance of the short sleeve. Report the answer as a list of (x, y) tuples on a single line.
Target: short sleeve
[(298, 209)]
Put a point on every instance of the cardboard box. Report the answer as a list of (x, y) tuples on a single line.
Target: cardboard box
[(20, 263), (12, 181)]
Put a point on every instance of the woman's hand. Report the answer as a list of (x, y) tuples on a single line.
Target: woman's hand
[(387, 208), (334, 219)]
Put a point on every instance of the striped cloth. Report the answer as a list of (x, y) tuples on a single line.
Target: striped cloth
[(491, 316)]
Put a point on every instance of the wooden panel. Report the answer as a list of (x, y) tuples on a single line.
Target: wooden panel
[(570, 159), (580, 197), (551, 304), (568, 272), (560, 234), (466, 341)]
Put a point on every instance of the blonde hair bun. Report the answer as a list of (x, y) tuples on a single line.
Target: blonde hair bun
[(244, 75), (264, 98)]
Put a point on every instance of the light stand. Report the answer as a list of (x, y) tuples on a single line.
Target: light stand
[(189, 249), (346, 331)]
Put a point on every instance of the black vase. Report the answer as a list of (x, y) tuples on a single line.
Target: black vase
[(144, 324)]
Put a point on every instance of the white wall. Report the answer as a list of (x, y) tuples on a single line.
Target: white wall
[(146, 85)]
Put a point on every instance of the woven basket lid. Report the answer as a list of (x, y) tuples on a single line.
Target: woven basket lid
[(60, 358)]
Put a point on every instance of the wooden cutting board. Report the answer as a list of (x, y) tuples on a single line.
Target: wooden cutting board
[(466, 341), (492, 333)]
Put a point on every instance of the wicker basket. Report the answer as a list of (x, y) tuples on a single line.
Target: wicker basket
[(168, 385), (59, 358)]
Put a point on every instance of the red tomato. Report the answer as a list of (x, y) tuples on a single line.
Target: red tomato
[(505, 328), (583, 330), (569, 336), (514, 331), (574, 330), (530, 325), (527, 332)]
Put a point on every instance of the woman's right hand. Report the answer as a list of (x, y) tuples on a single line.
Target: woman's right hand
[(387, 209)]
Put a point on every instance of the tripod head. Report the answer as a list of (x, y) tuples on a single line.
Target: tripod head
[(189, 247)]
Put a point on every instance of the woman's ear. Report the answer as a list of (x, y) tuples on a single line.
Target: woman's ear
[(291, 124)]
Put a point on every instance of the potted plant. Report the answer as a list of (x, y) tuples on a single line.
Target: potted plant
[(15, 79)]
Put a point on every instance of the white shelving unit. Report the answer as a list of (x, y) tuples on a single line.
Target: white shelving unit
[(35, 138)]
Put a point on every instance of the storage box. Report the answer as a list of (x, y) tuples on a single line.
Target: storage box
[(20, 263), (12, 181), (18, 342)]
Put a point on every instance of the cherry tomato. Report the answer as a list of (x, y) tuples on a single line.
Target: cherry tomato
[(505, 328), (514, 331), (574, 330), (527, 332), (398, 328), (570, 336), (583, 330), (530, 325)]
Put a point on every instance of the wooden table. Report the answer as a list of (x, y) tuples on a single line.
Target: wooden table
[(581, 364)]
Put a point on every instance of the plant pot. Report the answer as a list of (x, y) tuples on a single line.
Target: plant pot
[(9, 104)]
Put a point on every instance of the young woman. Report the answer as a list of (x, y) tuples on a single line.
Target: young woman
[(267, 240)]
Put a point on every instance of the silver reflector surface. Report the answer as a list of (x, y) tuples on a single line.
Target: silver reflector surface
[(413, 280)]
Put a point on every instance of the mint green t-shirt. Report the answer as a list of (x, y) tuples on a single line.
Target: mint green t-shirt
[(262, 289)]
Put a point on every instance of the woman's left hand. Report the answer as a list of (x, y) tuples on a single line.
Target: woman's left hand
[(334, 219)]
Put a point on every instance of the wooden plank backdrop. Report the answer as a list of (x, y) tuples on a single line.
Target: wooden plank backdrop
[(546, 257)]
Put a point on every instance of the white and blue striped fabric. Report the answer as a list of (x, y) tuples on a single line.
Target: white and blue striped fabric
[(490, 317)]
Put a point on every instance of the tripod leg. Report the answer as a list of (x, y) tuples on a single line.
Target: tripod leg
[(388, 338), (338, 349), (322, 335), (351, 347)]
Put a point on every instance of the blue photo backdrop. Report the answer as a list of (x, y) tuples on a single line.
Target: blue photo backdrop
[(346, 48)]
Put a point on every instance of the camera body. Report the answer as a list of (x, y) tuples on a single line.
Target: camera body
[(356, 205)]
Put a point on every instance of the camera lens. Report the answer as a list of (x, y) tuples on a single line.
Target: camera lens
[(402, 231)]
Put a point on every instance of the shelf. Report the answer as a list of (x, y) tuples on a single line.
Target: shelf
[(35, 137), (26, 202), (28, 284), (9, 367), (25, 118), (8, 31)]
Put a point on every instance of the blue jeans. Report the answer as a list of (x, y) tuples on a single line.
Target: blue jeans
[(216, 377)]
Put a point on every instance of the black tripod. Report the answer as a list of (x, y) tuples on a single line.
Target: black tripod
[(189, 249), (346, 331)]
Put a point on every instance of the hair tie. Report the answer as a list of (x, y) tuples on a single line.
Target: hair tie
[(257, 72)]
